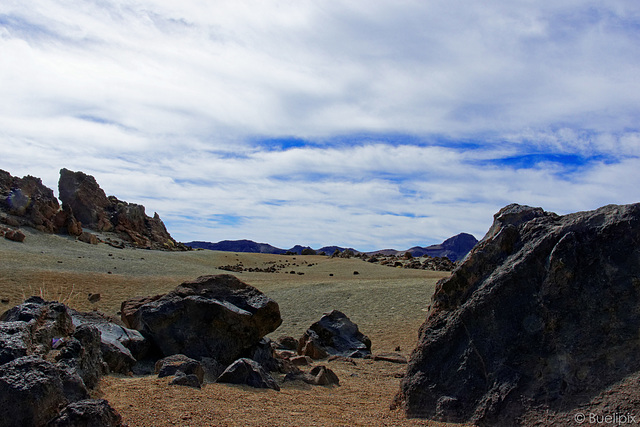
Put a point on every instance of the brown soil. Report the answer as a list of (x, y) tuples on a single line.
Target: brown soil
[(387, 303)]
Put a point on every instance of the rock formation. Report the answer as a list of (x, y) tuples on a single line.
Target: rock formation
[(91, 206), (27, 202), (542, 315), (47, 364), (213, 316), (334, 334)]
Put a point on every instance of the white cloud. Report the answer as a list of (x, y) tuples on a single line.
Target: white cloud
[(167, 104)]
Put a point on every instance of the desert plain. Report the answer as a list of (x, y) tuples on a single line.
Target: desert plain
[(388, 304)]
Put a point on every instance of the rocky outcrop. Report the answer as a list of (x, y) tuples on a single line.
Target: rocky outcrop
[(91, 206), (542, 315), (46, 363), (334, 334), (213, 316), (27, 202)]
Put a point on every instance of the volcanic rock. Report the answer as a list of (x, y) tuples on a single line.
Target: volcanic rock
[(248, 372), (32, 391), (27, 202), (213, 316), (179, 364), (82, 195), (87, 413), (542, 315), (334, 334), (15, 235)]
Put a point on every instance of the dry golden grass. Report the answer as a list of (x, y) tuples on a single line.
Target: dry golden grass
[(388, 304)]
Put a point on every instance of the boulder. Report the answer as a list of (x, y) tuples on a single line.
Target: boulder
[(543, 314), (87, 413), (213, 316), (46, 320), (179, 364), (334, 334), (121, 347), (248, 372), (32, 391), (81, 354)]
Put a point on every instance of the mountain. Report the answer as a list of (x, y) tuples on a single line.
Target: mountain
[(237, 246), (261, 248), (454, 248)]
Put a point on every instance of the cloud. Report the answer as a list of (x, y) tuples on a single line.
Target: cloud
[(377, 124)]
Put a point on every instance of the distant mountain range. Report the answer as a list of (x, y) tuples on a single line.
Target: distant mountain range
[(454, 248)]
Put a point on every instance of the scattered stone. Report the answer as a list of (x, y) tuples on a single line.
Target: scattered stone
[(301, 360), (542, 313), (342, 359), (334, 334), (93, 298), (248, 372), (32, 391), (390, 357), (87, 237), (321, 375)]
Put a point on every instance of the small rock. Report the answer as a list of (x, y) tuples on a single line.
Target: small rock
[(15, 235), (190, 380)]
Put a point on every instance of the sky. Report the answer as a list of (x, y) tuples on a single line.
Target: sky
[(369, 124)]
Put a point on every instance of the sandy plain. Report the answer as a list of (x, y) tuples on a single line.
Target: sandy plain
[(388, 304)]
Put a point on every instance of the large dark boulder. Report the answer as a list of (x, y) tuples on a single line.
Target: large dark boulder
[(544, 313), (87, 413), (213, 316), (32, 391), (334, 334)]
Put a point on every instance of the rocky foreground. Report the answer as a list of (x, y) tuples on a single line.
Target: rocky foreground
[(211, 329)]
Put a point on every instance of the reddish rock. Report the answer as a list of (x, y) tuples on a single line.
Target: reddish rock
[(27, 202), (15, 235), (82, 195)]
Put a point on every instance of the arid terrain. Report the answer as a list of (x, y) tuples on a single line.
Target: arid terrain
[(388, 304)]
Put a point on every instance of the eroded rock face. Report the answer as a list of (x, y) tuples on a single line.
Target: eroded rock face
[(82, 195), (334, 334), (213, 316), (543, 313), (27, 202)]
